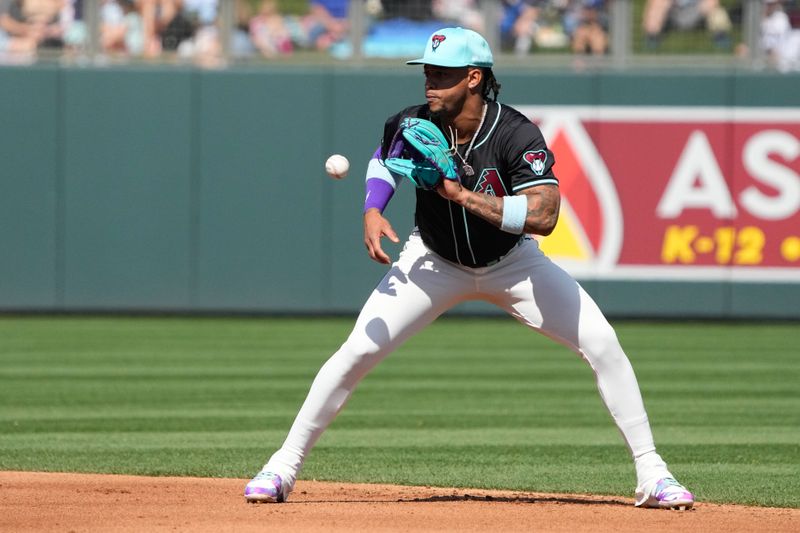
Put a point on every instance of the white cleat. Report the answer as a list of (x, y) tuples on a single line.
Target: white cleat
[(664, 493), (266, 487)]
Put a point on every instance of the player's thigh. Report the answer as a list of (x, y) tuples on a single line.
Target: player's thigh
[(417, 288), (543, 296)]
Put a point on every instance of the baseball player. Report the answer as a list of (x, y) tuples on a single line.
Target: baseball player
[(485, 182)]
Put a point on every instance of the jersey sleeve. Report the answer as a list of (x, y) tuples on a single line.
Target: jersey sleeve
[(389, 130), (393, 123), (381, 184), (530, 160)]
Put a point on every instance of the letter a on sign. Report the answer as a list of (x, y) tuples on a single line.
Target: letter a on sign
[(697, 182)]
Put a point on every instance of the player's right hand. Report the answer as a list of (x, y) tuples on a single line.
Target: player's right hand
[(375, 227)]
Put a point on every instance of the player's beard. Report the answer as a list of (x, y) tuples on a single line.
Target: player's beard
[(446, 109), (436, 105)]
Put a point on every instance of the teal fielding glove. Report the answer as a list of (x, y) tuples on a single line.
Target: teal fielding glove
[(431, 159)]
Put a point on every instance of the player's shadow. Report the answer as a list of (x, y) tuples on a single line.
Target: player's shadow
[(574, 500), (396, 276), (517, 499), (389, 282)]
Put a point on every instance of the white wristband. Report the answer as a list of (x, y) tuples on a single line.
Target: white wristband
[(515, 212)]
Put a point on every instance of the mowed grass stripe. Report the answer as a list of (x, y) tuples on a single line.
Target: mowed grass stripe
[(468, 402), (421, 437)]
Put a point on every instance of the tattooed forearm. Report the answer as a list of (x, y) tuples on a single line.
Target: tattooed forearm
[(543, 206), (486, 206)]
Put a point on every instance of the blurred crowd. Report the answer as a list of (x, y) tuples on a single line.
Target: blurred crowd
[(780, 36), (149, 28), (265, 28)]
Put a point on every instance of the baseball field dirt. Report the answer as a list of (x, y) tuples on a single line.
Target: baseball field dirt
[(86, 503)]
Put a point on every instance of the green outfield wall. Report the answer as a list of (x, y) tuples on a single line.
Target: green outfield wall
[(179, 189)]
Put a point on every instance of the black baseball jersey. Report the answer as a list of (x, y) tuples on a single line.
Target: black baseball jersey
[(509, 155)]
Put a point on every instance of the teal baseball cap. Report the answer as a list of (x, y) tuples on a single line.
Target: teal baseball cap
[(456, 47)]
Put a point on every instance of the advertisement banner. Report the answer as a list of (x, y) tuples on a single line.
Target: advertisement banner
[(676, 193)]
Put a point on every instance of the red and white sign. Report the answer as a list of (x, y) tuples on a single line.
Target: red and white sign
[(676, 193)]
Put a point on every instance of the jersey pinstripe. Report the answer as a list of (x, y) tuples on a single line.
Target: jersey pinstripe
[(509, 156)]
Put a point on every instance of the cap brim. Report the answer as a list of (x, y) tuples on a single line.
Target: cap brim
[(443, 63), (436, 63)]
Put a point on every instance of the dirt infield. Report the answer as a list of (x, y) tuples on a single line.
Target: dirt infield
[(82, 502)]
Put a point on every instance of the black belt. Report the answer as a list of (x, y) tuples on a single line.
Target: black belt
[(522, 238)]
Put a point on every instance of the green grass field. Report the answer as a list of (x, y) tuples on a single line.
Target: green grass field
[(468, 402)]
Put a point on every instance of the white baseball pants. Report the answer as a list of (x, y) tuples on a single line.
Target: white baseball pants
[(420, 286)]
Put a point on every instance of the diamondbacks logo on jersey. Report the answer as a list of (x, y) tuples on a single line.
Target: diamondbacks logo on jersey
[(536, 159), (490, 183), (436, 40)]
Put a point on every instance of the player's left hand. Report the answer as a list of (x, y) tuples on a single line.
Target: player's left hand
[(430, 155)]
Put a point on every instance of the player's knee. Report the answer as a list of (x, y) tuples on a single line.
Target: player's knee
[(359, 353), (600, 344)]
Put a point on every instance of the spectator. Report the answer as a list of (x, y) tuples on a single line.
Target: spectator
[(241, 44), (269, 34), (46, 14), (163, 27), (26, 25), (461, 12), (779, 40), (75, 31), (527, 23), (590, 32), (15, 36), (121, 27), (204, 41), (201, 12), (326, 23), (519, 25), (183, 26), (659, 15), (177, 26)]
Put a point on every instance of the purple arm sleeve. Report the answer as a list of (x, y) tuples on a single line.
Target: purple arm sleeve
[(378, 194), (379, 190)]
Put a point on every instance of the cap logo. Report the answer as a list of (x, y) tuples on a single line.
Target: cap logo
[(536, 160), (436, 40)]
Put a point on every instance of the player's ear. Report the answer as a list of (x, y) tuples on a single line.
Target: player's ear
[(474, 78)]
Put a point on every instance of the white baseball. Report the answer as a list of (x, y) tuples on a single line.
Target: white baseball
[(337, 166)]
